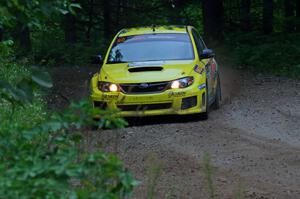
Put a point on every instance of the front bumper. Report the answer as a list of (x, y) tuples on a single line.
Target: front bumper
[(170, 102)]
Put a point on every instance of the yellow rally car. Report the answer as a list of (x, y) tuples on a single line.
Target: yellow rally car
[(157, 71)]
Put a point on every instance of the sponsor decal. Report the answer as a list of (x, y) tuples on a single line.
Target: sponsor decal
[(202, 86), (199, 69), (121, 40), (213, 67), (176, 94), (109, 97), (207, 70)]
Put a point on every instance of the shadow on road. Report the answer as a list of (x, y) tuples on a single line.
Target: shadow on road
[(166, 119)]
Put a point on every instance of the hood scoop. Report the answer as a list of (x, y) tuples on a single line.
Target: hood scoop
[(145, 66), (145, 69)]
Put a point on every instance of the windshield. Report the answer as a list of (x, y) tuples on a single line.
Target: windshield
[(151, 47)]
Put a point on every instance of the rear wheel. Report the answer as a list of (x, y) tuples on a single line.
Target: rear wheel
[(218, 96)]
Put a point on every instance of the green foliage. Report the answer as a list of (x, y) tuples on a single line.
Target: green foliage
[(192, 14), (32, 12), (17, 82), (40, 155), (6, 49), (49, 48), (15, 89), (23, 91), (278, 53), (44, 161)]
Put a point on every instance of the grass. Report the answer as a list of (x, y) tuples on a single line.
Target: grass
[(208, 171), (154, 172), (239, 192)]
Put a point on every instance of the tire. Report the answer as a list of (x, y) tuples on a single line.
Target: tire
[(218, 97), (204, 115)]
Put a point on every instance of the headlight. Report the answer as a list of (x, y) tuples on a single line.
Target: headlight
[(108, 87), (182, 83)]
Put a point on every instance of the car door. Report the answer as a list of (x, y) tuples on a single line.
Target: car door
[(207, 62)]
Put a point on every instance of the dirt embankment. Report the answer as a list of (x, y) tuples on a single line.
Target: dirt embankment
[(253, 140)]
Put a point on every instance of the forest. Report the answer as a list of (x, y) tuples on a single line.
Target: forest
[(54, 32), (41, 150)]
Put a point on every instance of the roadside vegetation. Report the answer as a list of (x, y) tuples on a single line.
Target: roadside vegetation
[(277, 54), (40, 153)]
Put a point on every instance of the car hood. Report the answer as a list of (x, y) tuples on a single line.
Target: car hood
[(139, 72)]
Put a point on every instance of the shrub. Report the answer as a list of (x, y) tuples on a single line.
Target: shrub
[(45, 162), (39, 153), (277, 53)]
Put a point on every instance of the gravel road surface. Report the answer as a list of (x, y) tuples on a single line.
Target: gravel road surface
[(253, 140)]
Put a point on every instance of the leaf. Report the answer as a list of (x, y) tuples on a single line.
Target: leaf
[(72, 6), (64, 12), (75, 5), (4, 85), (8, 42), (8, 92), (42, 78), (25, 91), (55, 126), (77, 138)]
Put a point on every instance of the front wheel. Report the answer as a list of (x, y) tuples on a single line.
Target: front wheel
[(204, 115)]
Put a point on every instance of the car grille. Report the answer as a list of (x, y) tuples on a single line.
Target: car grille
[(144, 107), (142, 88)]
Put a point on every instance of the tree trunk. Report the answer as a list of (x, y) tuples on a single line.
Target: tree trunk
[(70, 29), (24, 39), (268, 6), (213, 13), (289, 14), (118, 13), (90, 23), (298, 15), (107, 19), (246, 15), (1, 34)]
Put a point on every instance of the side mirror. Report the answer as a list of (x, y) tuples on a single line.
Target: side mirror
[(207, 54), (97, 59)]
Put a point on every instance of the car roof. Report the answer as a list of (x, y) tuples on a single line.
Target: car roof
[(153, 29)]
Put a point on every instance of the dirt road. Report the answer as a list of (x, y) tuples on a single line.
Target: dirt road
[(253, 140)]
